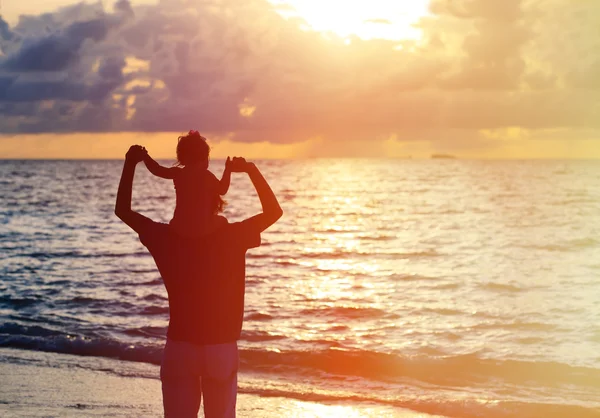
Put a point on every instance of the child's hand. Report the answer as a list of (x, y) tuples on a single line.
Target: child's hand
[(237, 165), (136, 154)]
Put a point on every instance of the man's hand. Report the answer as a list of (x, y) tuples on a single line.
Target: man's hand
[(135, 154), (238, 165)]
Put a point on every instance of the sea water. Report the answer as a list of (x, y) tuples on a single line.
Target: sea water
[(462, 288)]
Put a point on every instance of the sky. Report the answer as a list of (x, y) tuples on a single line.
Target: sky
[(301, 78)]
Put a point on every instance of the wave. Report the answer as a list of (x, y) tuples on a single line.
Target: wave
[(458, 408), (148, 331), (42, 339), (516, 325), (12, 328), (155, 304), (260, 336), (20, 302), (583, 243), (442, 311), (154, 282), (153, 297), (347, 312), (460, 370), (108, 305), (569, 245), (154, 310), (379, 252), (258, 316), (412, 277), (501, 287), (381, 237), (76, 254)]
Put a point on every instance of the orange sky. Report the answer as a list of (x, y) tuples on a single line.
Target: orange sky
[(162, 145), (283, 79)]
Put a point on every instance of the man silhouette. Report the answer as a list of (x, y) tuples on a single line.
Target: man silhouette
[(205, 281)]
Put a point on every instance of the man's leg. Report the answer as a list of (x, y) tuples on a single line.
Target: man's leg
[(180, 377), (219, 380)]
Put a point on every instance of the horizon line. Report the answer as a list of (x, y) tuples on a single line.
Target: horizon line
[(454, 158)]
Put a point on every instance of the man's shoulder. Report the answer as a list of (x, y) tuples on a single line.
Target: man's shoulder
[(152, 232), (245, 233), (239, 234)]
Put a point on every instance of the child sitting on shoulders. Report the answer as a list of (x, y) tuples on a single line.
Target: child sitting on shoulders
[(192, 181)]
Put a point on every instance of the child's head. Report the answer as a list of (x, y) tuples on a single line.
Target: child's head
[(192, 149)]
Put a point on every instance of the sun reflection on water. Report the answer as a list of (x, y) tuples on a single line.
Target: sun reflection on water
[(315, 410), (306, 410)]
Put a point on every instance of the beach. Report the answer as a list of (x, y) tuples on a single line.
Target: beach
[(389, 288), (37, 384)]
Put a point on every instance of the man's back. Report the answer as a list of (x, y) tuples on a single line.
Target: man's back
[(193, 186), (205, 279)]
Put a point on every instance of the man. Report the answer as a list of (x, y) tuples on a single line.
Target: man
[(205, 280)]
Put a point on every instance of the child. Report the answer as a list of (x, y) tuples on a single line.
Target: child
[(192, 179)]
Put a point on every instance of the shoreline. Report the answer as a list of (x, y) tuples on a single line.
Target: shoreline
[(43, 384)]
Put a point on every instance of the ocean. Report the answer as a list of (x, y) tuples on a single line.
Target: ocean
[(461, 288)]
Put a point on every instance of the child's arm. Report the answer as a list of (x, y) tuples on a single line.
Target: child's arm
[(226, 178), (158, 170)]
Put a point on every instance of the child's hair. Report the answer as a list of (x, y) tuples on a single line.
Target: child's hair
[(192, 149), (217, 204)]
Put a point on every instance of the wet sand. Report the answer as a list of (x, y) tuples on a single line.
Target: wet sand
[(37, 384)]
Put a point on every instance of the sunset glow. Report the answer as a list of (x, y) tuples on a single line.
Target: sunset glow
[(300, 208), (377, 19), (489, 79)]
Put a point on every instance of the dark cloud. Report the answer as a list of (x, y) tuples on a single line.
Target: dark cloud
[(35, 91), (112, 68), (53, 53), (5, 32), (124, 6), (56, 52), (5, 83), (92, 29)]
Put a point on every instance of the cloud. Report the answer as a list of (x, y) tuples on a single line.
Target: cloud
[(124, 6), (379, 21), (5, 32), (481, 66), (56, 52)]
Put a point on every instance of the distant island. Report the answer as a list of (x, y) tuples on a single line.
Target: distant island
[(447, 156)]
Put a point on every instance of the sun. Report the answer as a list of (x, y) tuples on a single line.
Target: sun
[(367, 19)]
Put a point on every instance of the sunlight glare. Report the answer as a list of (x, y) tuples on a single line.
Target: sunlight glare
[(367, 19), (315, 410)]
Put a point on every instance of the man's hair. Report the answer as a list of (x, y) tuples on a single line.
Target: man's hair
[(192, 149)]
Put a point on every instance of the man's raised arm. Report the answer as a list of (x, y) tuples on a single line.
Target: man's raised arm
[(271, 211), (123, 210)]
